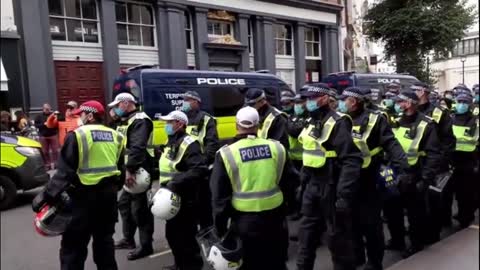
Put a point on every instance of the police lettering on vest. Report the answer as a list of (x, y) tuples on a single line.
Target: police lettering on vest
[(102, 136), (255, 153)]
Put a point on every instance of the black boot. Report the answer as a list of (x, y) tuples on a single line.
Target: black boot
[(140, 253), (125, 244), (395, 245), (411, 251)]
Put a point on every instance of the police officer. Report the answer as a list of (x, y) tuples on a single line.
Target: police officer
[(88, 168), (331, 164), (369, 100), (249, 185), (388, 106), (448, 99), (133, 208), (273, 123), (447, 139), (465, 158), (203, 128), (295, 125), (417, 134), (372, 135), (286, 99), (476, 99), (182, 168)]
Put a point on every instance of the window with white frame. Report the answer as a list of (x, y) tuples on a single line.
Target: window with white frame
[(217, 28), (312, 42), (250, 37), (135, 24), (283, 39), (188, 30), (74, 20)]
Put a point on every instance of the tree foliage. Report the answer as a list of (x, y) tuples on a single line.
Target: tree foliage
[(410, 29)]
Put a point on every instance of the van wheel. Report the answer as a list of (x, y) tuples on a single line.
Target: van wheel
[(8, 192)]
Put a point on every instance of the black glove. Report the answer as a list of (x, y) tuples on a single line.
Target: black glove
[(341, 206), (39, 201)]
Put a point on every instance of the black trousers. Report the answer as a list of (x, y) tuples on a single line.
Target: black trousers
[(318, 202), (135, 214), (464, 182), (180, 232), (204, 209), (393, 212), (94, 216), (264, 240), (414, 201), (368, 231)]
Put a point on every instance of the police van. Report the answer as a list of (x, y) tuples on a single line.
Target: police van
[(160, 91), (377, 82)]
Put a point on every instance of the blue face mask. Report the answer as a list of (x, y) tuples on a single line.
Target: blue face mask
[(477, 98), (311, 105), (461, 108), (398, 108), (388, 103), (342, 106), (287, 108), (186, 106), (118, 111), (298, 109), (169, 129)]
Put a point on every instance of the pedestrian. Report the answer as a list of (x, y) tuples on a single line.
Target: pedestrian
[(203, 128), (48, 133), (88, 170), (331, 163), (249, 187), (137, 128), (286, 100), (373, 136), (417, 134), (22, 121), (440, 214), (182, 168), (5, 120), (273, 123), (465, 160), (71, 107)]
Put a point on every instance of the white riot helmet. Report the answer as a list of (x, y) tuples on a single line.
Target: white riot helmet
[(142, 182), (165, 204), (221, 253)]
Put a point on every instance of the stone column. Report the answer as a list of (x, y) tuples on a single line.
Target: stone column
[(200, 38), (242, 36), (330, 49), (33, 23), (108, 26), (267, 44), (300, 64)]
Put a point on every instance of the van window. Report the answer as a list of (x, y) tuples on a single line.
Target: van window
[(225, 101)]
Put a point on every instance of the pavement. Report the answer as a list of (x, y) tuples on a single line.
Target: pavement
[(23, 249)]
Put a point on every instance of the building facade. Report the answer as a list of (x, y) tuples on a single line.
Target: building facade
[(73, 49), (462, 64)]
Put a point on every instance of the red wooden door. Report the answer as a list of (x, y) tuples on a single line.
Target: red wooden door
[(78, 81)]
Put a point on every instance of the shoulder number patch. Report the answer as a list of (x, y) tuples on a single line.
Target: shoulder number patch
[(255, 153), (102, 136)]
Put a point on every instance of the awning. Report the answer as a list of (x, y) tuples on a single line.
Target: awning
[(3, 78)]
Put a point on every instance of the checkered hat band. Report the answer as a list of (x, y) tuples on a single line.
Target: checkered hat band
[(318, 90), (88, 109), (416, 87), (192, 97), (351, 94), (262, 96), (403, 97)]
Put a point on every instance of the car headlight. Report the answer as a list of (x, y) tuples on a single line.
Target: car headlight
[(28, 151)]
